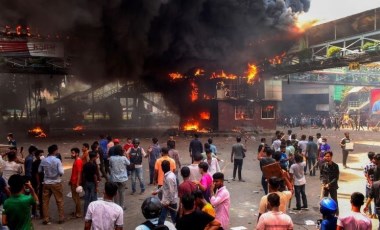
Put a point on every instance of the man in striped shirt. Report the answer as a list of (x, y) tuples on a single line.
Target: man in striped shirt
[(274, 219)]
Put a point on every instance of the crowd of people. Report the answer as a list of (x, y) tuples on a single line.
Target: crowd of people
[(200, 201), (336, 122)]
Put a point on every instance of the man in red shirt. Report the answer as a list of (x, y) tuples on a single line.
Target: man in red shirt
[(128, 144), (75, 181), (187, 187)]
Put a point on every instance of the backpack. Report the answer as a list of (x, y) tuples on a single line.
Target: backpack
[(151, 226)]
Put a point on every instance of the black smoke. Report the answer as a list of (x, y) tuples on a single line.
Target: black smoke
[(146, 39)]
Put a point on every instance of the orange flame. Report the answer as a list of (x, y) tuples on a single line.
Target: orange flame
[(199, 72), (175, 76), (223, 75), (194, 91), (302, 25), (205, 115), (37, 132), (251, 73), (18, 30), (191, 126), (78, 128), (206, 97), (277, 59)]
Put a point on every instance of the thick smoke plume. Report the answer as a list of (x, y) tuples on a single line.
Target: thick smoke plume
[(147, 39)]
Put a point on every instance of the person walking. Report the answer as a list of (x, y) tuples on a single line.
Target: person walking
[(345, 149), (213, 164), (118, 174), (311, 155), (52, 168), (237, 156), (195, 147), (169, 194)]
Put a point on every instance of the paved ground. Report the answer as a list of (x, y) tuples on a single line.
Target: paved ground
[(244, 196)]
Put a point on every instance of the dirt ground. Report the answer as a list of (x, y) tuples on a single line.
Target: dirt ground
[(245, 196)]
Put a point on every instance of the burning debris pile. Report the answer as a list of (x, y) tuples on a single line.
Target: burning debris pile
[(149, 40), (37, 132)]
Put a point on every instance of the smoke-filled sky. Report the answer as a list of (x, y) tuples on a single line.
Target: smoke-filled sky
[(328, 10), (147, 39)]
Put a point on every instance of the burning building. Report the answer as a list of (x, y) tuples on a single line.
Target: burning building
[(222, 101)]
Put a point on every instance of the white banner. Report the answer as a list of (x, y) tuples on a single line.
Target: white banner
[(46, 49)]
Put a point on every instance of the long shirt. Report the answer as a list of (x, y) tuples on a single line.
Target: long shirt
[(169, 189), (330, 174), (221, 202)]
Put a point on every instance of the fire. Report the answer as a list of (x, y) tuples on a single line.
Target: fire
[(302, 24), (175, 76), (199, 72), (204, 115), (251, 73), (191, 126), (206, 97), (194, 91), (277, 59), (78, 128), (18, 30), (223, 75), (37, 132)]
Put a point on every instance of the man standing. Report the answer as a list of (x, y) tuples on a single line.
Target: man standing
[(345, 150), (194, 169), (221, 200), (85, 153), (274, 218), (311, 154), (355, 220), (274, 186), (135, 155), (53, 171), (75, 181), (237, 155), (195, 147), (263, 162), (158, 171), (29, 161), (153, 154), (297, 172), (212, 163), (119, 174), (169, 193), (329, 177), (91, 179), (104, 214)]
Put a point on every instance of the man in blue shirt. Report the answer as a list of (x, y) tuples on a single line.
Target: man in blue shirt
[(53, 170)]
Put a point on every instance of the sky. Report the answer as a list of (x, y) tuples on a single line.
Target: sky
[(328, 10)]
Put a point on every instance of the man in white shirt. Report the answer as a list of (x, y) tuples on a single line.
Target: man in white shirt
[(355, 219), (105, 214)]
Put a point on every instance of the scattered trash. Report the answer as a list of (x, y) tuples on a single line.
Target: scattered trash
[(255, 191), (70, 195), (309, 222), (238, 228)]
